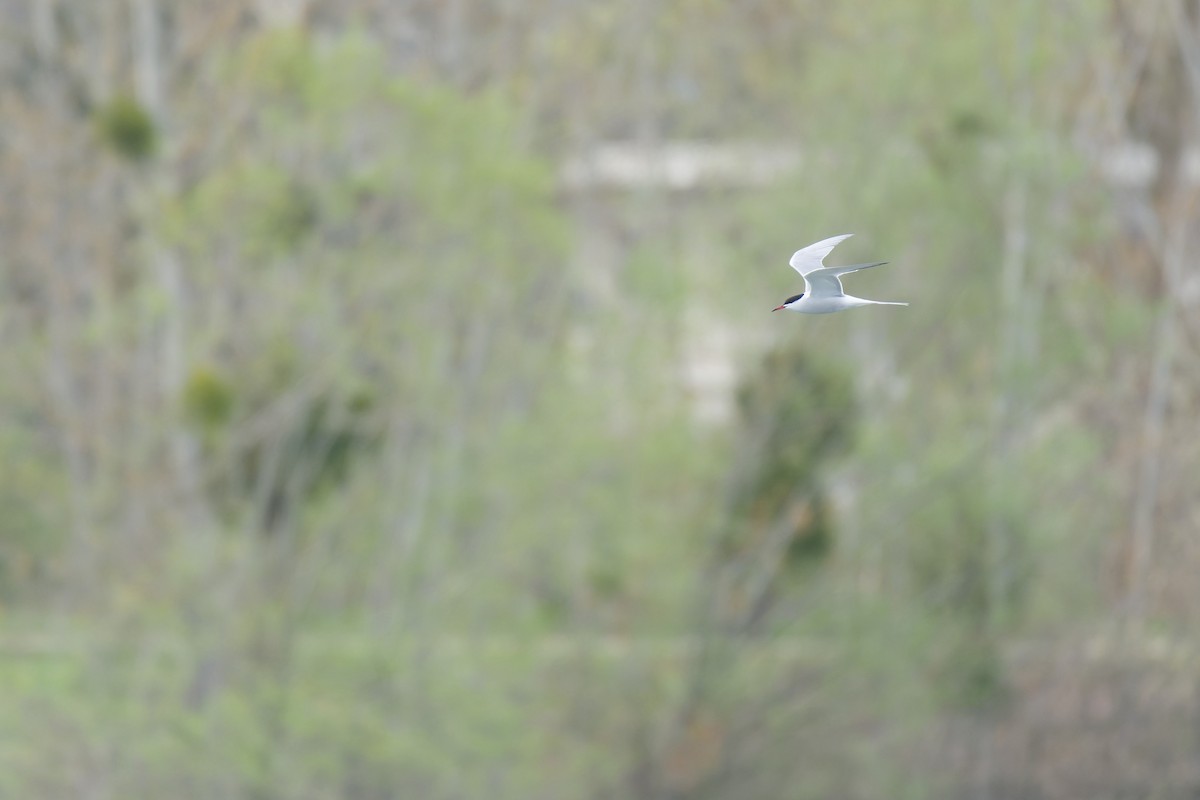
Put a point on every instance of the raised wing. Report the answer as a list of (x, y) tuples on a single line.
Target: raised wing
[(810, 258), (824, 282)]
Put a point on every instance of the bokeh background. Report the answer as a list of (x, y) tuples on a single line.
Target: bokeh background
[(391, 407)]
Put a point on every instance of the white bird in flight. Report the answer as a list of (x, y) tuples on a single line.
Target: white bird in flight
[(822, 287)]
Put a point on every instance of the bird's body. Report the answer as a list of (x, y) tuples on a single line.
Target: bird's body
[(816, 304), (822, 285)]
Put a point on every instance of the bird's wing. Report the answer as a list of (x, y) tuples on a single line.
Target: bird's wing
[(824, 282), (806, 260)]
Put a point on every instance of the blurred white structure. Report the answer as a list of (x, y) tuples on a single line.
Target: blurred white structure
[(707, 367), (1134, 165), (281, 13), (678, 165), (683, 165)]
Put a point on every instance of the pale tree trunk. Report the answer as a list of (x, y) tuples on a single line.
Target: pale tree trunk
[(147, 49), (1162, 110), (45, 29), (452, 47), (184, 446), (1013, 355), (1149, 479)]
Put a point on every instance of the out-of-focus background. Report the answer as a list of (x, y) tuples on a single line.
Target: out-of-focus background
[(390, 402)]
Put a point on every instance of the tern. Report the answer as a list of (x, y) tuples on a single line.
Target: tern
[(822, 287)]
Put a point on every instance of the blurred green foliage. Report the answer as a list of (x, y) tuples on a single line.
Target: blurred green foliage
[(207, 398), (31, 527), (796, 413), (124, 125)]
